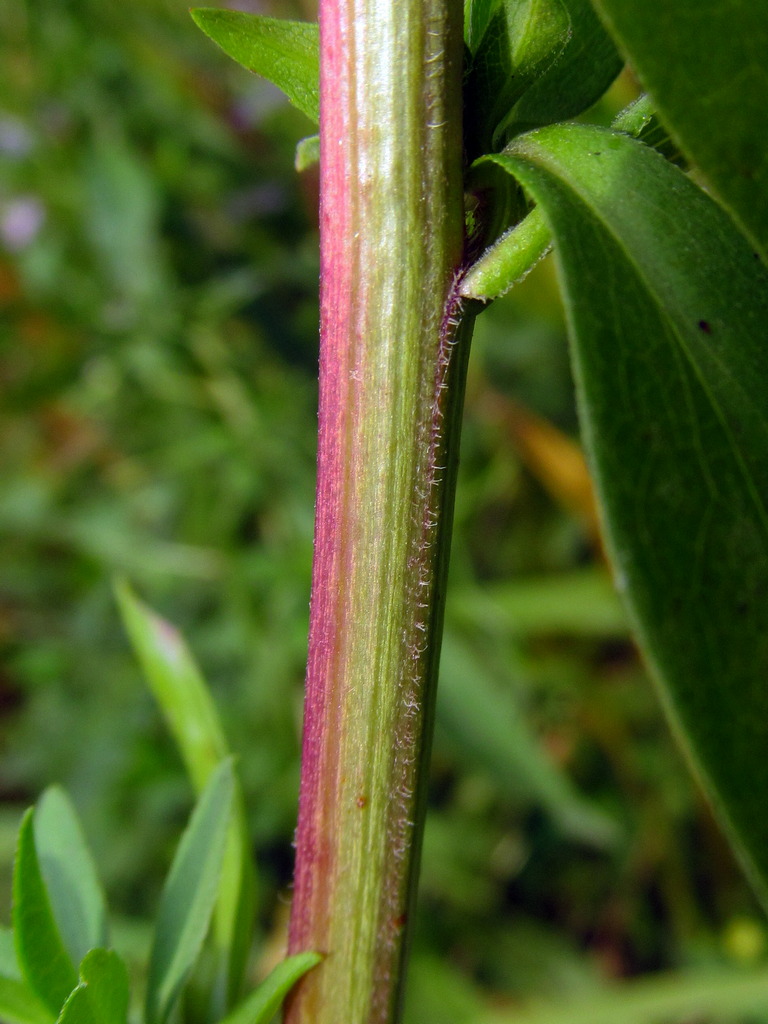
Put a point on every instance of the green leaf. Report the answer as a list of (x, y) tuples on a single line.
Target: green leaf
[(284, 52), (477, 17), (78, 1009), (70, 877), (179, 688), (189, 895), (307, 153), (537, 61), (20, 1005), (588, 64), (703, 63), (102, 995), (177, 685), (516, 252), (264, 1002), (667, 309), (522, 38), (9, 967), (640, 120), (510, 259), (106, 977), (40, 950)]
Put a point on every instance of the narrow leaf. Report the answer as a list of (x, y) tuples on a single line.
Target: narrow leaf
[(264, 1002), (284, 52), (703, 63), (20, 1005), (667, 308), (41, 953), (640, 120), (70, 876), (189, 895), (177, 685), (102, 995), (179, 688), (635, 117), (511, 258)]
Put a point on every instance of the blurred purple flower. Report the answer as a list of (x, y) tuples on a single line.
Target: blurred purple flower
[(249, 6), (20, 221), (263, 200), (251, 108), (15, 138)]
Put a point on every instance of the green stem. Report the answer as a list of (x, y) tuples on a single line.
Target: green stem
[(393, 361)]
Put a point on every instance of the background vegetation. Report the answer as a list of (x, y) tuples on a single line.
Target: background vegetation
[(158, 322)]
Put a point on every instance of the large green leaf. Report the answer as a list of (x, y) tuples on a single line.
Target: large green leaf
[(102, 995), (70, 875), (179, 688), (264, 1002), (41, 953), (284, 52), (189, 895), (667, 309), (704, 64)]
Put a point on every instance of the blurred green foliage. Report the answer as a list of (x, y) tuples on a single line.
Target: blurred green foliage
[(158, 320)]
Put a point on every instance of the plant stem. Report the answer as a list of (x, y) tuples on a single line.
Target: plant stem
[(392, 368)]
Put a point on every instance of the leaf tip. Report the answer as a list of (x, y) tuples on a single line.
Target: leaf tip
[(200, 15)]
